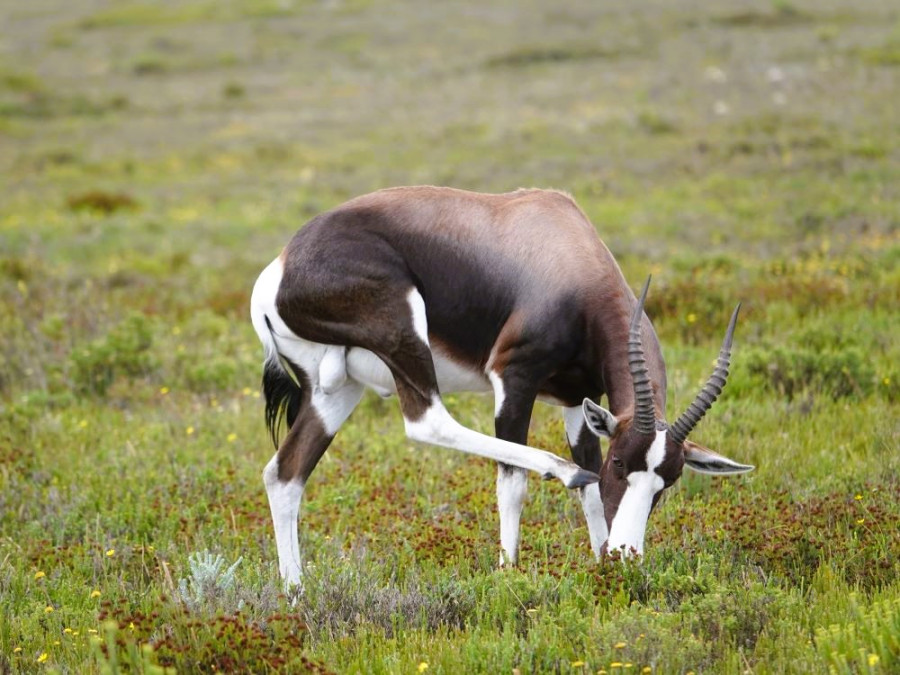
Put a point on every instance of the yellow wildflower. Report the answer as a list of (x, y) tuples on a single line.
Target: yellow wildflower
[(43, 657), (247, 391), (858, 498), (17, 650), (423, 666), (92, 630), (67, 630), (577, 664), (39, 575), (620, 645), (691, 318), (873, 660), (131, 625), (860, 521), (646, 669), (615, 664), (189, 431), (110, 553), (48, 609), (83, 424), (95, 593), (232, 437)]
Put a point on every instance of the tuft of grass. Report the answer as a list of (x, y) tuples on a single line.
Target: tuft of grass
[(537, 55), (101, 201), (781, 13)]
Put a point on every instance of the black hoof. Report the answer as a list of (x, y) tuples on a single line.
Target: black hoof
[(582, 478)]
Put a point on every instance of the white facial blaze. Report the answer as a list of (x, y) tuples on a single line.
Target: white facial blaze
[(630, 521)]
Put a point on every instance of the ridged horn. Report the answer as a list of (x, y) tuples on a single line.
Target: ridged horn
[(711, 390), (644, 415)]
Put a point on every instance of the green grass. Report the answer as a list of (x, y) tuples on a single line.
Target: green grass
[(156, 156)]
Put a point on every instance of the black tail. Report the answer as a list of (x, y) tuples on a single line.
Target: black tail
[(283, 395)]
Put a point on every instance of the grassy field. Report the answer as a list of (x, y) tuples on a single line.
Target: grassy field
[(155, 156)]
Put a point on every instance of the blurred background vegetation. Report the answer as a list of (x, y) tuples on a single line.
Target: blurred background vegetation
[(156, 155)]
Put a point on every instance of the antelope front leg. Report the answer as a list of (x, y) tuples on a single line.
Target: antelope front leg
[(585, 448), (436, 426), (512, 486)]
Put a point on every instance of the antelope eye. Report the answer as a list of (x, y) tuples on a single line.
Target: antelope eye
[(617, 462)]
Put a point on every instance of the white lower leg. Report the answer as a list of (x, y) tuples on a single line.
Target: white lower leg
[(592, 505), (591, 501), (284, 501), (437, 427), (512, 486)]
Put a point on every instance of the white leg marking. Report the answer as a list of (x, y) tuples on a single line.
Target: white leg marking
[(591, 501), (420, 322), (437, 427), (512, 486), (284, 501), (574, 421), (499, 391), (592, 505), (630, 521)]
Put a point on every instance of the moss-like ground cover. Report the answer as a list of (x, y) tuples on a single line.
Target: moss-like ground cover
[(155, 156)]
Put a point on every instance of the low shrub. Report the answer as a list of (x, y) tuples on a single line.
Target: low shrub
[(125, 351)]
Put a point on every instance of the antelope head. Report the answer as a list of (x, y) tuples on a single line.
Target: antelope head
[(646, 455)]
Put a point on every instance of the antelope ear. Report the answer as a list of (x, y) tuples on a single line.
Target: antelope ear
[(599, 420), (703, 460)]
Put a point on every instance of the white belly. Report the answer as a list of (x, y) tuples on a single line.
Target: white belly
[(367, 369)]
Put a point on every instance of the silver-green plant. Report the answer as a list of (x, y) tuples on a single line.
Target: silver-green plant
[(208, 586)]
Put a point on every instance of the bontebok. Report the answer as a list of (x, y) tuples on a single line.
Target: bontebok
[(421, 291)]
